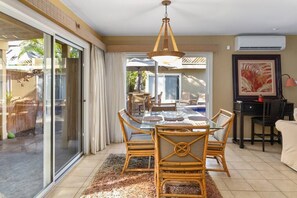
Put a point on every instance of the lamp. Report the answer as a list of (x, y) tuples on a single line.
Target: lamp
[(289, 83), (165, 56)]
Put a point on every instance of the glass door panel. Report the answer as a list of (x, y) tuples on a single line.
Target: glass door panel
[(25, 124), (68, 103), (172, 88)]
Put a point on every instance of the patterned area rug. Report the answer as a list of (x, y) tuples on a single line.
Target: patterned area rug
[(109, 182)]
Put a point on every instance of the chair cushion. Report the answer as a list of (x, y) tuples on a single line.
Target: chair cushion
[(220, 134), (212, 138), (140, 137)]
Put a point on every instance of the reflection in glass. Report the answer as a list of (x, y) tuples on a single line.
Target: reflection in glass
[(23, 54), (67, 104)]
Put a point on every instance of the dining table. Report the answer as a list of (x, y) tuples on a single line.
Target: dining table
[(183, 116)]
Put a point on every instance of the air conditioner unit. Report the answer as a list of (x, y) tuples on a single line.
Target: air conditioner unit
[(260, 43)]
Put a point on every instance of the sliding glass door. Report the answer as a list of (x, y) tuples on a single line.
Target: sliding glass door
[(25, 109), (40, 107), (68, 103)]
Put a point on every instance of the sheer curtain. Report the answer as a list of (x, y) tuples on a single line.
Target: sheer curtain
[(116, 73), (99, 129)]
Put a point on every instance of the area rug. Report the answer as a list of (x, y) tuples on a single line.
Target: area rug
[(109, 182)]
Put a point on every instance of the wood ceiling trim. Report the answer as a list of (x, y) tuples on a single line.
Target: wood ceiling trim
[(147, 48), (53, 13)]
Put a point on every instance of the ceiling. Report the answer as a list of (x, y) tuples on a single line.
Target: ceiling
[(188, 17)]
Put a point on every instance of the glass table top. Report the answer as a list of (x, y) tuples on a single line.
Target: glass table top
[(181, 116)]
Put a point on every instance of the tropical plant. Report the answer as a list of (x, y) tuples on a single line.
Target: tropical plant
[(132, 77)]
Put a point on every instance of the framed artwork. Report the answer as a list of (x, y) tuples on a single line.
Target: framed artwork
[(255, 75)]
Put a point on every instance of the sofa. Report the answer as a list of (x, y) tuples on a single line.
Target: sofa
[(289, 136)]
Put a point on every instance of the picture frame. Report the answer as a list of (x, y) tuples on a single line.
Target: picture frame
[(255, 75)]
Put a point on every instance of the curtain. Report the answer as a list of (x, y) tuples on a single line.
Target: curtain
[(116, 73), (99, 129)]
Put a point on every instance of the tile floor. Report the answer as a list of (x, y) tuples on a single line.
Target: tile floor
[(254, 174)]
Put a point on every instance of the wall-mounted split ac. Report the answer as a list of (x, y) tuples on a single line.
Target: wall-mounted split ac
[(260, 43)]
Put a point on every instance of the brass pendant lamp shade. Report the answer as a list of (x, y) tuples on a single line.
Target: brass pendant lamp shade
[(165, 55)]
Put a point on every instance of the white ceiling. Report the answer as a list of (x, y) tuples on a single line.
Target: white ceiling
[(188, 17)]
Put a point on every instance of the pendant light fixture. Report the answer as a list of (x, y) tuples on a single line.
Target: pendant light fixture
[(166, 55)]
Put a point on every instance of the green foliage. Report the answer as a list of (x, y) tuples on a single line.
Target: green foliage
[(8, 97), (37, 46), (131, 80), (34, 45)]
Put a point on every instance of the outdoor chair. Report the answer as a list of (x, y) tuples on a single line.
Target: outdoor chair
[(138, 103), (153, 99), (187, 99), (164, 107), (180, 158), (217, 140), (273, 110), (139, 143)]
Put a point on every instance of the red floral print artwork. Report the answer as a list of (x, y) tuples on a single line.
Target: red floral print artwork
[(256, 77)]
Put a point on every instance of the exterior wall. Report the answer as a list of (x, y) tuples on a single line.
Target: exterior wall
[(27, 90), (192, 80)]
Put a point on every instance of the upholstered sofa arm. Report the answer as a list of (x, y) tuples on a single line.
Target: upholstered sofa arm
[(289, 137)]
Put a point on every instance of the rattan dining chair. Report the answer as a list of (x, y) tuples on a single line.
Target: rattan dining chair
[(139, 143), (217, 140), (164, 107), (180, 157)]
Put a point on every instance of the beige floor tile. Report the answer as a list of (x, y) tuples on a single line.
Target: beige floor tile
[(237, 184), (269, 159), (245, 194), (71, 181), (251, 158), (290, 174), (220, 183), (80, 192), (251, 174), (61, 192), (271, 195), (82, 172), (272, 174), (226, 194), (294, 180), (116, 151), (279, 166), (242, 166), (291, 194), (88, 163), (261, 166), (98, 156), (284, 185), (261, 185), (234, 158), (233, 173), (243, 152)]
